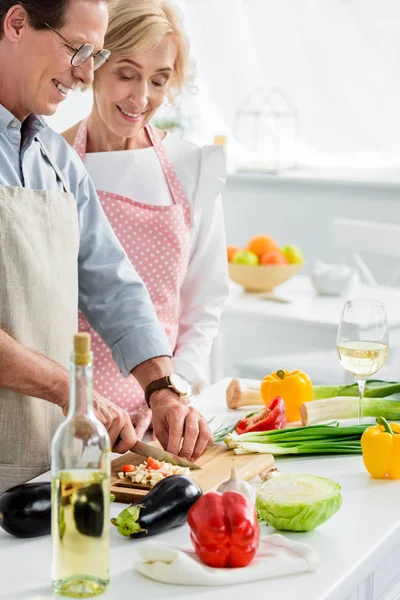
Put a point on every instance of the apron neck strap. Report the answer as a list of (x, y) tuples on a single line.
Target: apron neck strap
[(175, 187), (51, 160)]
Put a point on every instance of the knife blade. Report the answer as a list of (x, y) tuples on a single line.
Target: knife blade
[(159, 454)]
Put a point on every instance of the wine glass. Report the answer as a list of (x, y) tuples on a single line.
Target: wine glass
[(362, 341)]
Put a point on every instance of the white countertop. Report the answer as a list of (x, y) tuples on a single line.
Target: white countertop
[(350, 545), (384, 178)]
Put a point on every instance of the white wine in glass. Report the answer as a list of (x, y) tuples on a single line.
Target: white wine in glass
[(362, 341)]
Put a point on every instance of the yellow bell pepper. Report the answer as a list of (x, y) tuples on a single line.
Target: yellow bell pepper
[(295, 387), (380, 445)]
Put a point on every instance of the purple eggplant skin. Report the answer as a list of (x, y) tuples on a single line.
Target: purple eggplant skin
[(25, 510), (164, 507)]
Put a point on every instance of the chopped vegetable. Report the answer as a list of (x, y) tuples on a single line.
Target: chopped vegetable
[(294, 387), (381, 449), (271, 417), (234, 484), (375, 388), (346, 407), (314, 439), (151, 472), (224, 529), (152, 463), (298, 502), (128, 468)]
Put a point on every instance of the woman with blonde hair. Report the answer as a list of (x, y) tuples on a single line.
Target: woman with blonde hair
[(160, 193)]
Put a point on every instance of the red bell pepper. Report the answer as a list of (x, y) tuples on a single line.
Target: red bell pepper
[(224, 529), (271, 417)]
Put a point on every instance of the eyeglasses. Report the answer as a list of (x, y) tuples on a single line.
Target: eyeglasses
[(85, 52)]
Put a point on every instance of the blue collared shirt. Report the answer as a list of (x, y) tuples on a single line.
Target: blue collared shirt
[(111, 294)]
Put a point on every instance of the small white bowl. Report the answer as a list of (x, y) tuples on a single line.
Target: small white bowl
[(332, 280)]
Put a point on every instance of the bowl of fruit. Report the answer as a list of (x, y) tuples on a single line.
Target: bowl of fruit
[(263, 264)]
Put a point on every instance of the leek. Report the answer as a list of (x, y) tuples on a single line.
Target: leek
[(313, 439), (346, 407), (375, 388)]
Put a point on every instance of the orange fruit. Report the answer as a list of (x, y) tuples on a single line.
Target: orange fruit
[(274, 257), (231, 251), (260, 244)]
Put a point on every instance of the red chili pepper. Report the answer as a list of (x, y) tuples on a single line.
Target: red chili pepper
[(271, 417), (224, 529)]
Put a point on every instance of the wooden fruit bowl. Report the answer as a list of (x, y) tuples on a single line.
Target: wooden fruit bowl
[(262, 278)]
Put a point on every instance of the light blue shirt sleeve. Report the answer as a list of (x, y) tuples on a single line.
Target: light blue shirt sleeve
[(112, 296)]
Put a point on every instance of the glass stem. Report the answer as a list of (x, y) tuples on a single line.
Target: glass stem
[(361, 388)]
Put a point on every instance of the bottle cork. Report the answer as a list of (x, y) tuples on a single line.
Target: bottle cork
[(82, 344)]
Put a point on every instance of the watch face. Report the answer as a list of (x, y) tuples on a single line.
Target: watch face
[(180, 384)]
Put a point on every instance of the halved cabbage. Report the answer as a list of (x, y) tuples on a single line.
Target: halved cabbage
[(298, 502)]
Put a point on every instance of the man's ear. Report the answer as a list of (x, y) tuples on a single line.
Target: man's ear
[(15, 21)]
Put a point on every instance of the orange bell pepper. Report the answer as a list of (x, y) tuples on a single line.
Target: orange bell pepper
[(295, 387), (380, 446)]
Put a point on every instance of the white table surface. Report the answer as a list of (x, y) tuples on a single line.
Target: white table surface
[(307, 323), (306, 306), (350, 545)]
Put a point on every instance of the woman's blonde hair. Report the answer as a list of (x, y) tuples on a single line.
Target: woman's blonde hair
[(137, 26)]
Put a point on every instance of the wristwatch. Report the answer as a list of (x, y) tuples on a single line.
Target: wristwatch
[(177, 383)]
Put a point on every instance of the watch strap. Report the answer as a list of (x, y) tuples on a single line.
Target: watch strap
[(158, 384)]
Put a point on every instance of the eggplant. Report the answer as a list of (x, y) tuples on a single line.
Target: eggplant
[(89, 510), (164, 507), (25, 510)]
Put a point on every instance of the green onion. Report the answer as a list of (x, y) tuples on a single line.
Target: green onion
[(314, 439), (278, 450), (222, 431)]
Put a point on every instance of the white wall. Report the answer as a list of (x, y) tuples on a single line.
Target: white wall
[(76, 107), (299, 209)]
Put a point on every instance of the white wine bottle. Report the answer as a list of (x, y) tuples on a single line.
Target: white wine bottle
[(80, 467)]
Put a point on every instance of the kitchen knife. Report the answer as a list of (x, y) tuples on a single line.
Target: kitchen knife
[(159, 454)]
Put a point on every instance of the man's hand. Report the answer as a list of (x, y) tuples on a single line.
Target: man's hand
[(141, 420), (173, 420), (116, 421)]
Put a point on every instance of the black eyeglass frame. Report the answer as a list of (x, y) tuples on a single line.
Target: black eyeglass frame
[(104, 54)]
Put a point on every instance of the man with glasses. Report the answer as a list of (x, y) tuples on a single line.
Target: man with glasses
[(56, 246), (84, 52)]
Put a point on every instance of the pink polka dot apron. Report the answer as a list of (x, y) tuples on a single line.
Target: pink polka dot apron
[(157, 242)]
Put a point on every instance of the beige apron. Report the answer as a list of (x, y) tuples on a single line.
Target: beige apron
[(39, 244)]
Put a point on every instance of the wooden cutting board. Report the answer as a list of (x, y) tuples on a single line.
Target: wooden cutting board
[(215, 465)]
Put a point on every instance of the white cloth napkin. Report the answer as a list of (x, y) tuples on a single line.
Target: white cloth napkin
[(276, 556)]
